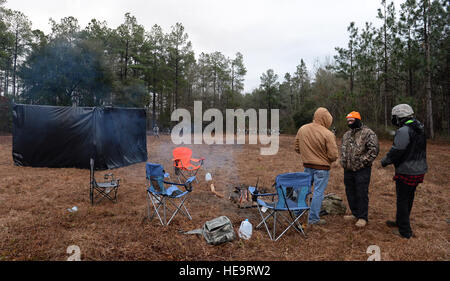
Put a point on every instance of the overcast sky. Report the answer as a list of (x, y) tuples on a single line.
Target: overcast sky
[(272, 34)]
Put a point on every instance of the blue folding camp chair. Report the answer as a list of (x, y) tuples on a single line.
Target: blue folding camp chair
[(292, 191), (170, 198)]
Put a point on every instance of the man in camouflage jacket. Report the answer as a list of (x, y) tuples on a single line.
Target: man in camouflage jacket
[(359, 149)]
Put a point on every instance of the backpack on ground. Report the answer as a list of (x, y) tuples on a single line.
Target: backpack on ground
[(216, 231)]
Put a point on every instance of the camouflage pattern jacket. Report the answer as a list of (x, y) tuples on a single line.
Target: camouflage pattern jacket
[(359, 148)]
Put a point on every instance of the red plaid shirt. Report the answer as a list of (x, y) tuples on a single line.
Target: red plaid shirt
[(412, 180)]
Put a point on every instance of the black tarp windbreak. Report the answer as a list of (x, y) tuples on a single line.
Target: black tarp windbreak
[(58, 136)]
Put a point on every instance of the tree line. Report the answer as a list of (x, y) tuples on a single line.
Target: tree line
[(405, 60), (401, 58)]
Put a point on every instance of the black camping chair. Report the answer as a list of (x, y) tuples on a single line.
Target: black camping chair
[(100, 190)]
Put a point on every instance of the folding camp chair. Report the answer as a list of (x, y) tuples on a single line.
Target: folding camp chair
[(292, 191), (183, 163), (100, 190), (170, 198)]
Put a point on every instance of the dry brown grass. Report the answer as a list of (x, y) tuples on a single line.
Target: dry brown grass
[(35, 223)]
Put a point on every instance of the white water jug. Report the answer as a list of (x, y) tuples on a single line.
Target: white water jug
[(245, 231)]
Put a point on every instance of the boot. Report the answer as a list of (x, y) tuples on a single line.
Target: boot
[(361, 223), (391, 224), (349, 217)]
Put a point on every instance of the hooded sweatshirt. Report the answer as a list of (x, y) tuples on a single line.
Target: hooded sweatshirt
[(315, 143)]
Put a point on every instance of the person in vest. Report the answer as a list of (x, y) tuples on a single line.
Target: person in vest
[(317, 147), (358, 150), (408, 154)]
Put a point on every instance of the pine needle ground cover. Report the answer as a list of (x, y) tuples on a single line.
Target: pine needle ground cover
[(36, 225)]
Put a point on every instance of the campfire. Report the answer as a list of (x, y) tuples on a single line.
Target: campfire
[(242, 197)]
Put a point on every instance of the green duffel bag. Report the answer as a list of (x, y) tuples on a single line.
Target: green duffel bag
[(216, 231)]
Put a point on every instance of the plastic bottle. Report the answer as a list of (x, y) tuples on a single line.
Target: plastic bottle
[(245, 231), (208, 177)]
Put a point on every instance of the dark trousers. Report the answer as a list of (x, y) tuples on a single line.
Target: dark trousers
[(405, 199), (357, 191)]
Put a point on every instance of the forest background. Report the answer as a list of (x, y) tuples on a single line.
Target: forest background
[(404, 58)]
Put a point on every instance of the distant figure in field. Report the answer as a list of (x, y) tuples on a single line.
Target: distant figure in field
[(358, 150), (156, 131), (317, 147), (408, 154)]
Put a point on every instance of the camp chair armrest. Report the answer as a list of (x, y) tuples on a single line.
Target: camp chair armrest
[(173, 183), (110, 176), (198, 160), (189, 180), (252, 190), (265, 194), (186, 185)]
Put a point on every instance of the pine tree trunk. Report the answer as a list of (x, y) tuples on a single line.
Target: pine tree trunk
[(176, 78), (410, 71), (428, 71), (15, 65), (232, 82), (448, 114), (351, 71), (154, 110), (6, 81), (385, 91), (3, 81), (214, 88), (385, 84), (385, 106), (126, 60)]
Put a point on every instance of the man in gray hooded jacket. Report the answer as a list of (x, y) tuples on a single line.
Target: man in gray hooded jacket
[(408, 154)]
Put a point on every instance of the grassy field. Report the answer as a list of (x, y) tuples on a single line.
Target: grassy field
[(35, 223)]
